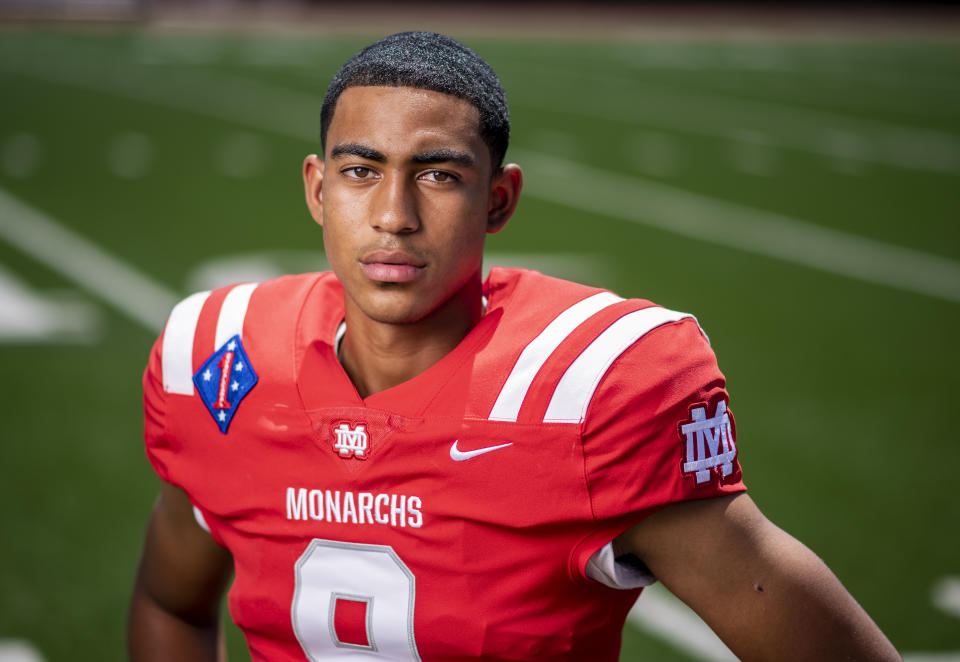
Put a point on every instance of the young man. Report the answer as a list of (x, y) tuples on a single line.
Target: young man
[(399, 461)]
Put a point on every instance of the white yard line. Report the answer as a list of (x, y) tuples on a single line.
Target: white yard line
[(657, 612), (724, 115), (19, 650), (946, 595), (233, 99), (68, 253), (912, 149), (676, 210), (28, 315)]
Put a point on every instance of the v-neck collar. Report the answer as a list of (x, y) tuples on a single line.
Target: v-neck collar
[(322, 381)]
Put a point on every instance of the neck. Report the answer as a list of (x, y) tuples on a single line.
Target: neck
[(378, 355)]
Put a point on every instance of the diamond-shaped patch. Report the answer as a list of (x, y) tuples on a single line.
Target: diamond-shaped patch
[(223, 380)]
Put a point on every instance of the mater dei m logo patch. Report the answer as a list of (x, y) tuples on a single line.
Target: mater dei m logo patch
[(351, 442), (709, 445)]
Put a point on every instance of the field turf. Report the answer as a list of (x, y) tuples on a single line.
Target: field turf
[(801, 197)]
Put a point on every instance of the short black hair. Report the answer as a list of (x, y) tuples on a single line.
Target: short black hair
[(427, 61)]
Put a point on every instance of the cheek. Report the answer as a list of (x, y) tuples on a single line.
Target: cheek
[(336, 244), (463, 219), (343, 218), (463, 247), (341, 206)]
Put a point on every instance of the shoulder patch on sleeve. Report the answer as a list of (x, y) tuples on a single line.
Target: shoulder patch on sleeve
[(224, 380), (709, 444)]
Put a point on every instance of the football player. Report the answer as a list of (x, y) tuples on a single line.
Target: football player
[(401, 461)]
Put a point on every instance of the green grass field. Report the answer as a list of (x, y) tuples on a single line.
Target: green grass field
[(802, 198)]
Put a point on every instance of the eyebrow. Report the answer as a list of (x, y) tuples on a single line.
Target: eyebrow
[(444, 156), (433, 156), (356, 149)]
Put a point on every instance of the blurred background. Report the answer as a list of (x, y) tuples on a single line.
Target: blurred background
[(790, 175)]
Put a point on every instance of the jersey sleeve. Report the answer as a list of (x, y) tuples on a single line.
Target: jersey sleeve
[(154, 410), (157, 441), (658, 430)]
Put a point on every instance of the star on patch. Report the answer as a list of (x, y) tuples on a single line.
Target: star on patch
[(224, 380)]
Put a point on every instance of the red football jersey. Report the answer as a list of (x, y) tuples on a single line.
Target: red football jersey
[(451, 517)]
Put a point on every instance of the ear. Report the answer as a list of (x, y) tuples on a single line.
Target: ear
[(313, 186), (504, 195)]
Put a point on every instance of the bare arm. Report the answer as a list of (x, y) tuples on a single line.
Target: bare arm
[(175, 607), (762, 591)]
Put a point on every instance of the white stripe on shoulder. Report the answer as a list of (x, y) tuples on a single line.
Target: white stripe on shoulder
[(177, 350), (535, 354), (232, 313), (575, 389)]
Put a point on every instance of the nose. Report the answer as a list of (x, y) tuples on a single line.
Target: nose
[(395, 206)]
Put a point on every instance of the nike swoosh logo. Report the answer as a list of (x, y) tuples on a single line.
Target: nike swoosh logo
[(458, 455)]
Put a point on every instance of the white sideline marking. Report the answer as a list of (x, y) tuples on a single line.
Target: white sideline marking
[(708, 219), (659, 613), (77, 258), (19, 650)]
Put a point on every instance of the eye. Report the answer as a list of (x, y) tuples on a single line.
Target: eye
[(357, 172), (438, 176)]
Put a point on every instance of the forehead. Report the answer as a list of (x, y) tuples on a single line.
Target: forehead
[(399, 118)]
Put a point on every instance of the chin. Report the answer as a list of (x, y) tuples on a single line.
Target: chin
[(394, 317), (394, 308)]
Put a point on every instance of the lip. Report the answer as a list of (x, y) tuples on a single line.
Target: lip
[(388, 266)]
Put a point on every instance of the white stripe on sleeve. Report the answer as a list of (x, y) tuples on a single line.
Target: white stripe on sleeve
[(535, 354), (604, 568), (232, 313), (575, 389), (197, 515), (177, 349)]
